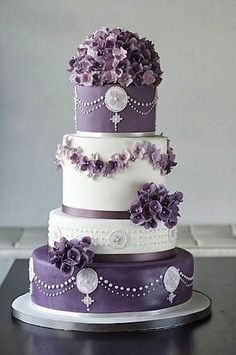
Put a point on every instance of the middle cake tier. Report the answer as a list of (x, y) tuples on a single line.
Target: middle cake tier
[(104, 174), (116, 240)]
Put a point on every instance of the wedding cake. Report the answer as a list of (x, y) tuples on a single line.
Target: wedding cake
[(112, 245)]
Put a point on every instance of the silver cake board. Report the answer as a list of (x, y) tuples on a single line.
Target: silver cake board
[(195, 309)]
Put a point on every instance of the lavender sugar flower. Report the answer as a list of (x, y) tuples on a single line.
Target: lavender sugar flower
[(154, 203), (68, 255), (115, 55)]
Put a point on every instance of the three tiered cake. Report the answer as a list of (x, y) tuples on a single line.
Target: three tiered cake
[(112, 245)]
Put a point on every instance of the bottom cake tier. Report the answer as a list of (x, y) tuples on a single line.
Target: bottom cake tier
[(112, 287)]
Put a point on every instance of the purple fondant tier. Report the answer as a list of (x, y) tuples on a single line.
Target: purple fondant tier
[(113, 287), (114, 109)]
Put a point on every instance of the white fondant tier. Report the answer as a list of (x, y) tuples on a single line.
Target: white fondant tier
[(111, 236), (115, 193)]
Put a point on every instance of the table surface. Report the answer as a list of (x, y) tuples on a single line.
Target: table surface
[(215, 335)]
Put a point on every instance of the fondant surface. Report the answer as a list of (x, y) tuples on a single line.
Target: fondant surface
[(93, 115), (108, 194), (113, 287)]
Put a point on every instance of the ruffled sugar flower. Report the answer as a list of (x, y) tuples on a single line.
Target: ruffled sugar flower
[(153, 204), (68, 255), (111, 55)]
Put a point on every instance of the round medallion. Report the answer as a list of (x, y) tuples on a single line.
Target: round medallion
[(117, 239), (116, 99), (87, 280), (171, 279), (31, 270)]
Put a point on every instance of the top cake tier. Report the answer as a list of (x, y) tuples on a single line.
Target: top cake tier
[(111, 109), (116, 74)]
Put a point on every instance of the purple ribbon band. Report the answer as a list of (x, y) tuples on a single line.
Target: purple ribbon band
[(120, 258), (80, 212)]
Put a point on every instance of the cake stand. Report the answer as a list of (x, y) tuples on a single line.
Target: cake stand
[(198, 307)]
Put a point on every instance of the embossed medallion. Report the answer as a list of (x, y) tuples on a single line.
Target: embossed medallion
[(171, 281), (87, 282), (117, 239), (116, 99)]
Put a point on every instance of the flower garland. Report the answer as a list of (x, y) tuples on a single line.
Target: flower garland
[(115, 56), (95, 166), (153, 204)]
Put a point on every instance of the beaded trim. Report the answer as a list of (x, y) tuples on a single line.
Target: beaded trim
[(53, 290), (117, 239), (95, 166), (99, 103)]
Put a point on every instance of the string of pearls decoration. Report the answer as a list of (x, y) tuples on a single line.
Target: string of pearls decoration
[(130, 291), (187, 281), (98, 103), (54, 289)]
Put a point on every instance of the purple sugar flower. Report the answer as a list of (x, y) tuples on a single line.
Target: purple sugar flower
[(136, 68), (136, 209), (119, 53), (97, 167), (124, 65), (167, 161), (155, 207), (149, 77), (125, 79), (124, 157), (155, 158), (137, 80), (68, 255), (154, 204), (67, 269), (137, 219), (110, 76), (149, 188), (84, 163), (138, 151), (86, 79), (111, 41), (82, 51), (75, 158), (61, 245), (86, 242), (97, 79), (74, 256), (86, 65), (111, 167)]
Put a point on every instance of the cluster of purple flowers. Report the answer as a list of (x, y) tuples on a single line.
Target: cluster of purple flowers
[(95, 166), (115, 56), (68, 255), (154, 203)]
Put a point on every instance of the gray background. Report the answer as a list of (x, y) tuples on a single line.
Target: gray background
[(196, 43)]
